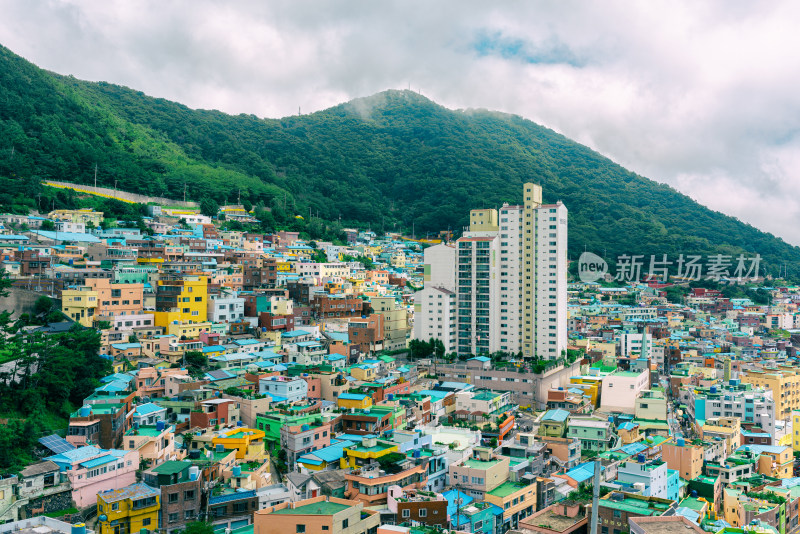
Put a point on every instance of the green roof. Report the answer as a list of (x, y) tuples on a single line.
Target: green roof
[(481, 464), (638, 506), (506, 488), (317, 508), (171, 467)]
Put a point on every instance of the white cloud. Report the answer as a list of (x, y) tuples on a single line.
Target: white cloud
[(698, 95)]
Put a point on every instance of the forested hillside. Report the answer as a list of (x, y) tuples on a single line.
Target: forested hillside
[(391, 160)]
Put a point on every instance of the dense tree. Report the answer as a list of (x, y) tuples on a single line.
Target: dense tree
[(209, 207), (393, 161)]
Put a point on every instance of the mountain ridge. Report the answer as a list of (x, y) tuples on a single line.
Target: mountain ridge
[(392, 160)]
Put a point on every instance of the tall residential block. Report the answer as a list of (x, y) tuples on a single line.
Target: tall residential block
[(511, 279)]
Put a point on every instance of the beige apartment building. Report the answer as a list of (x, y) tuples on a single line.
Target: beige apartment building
[(395, 322), (784, 382), (478, 476), (685, 458)]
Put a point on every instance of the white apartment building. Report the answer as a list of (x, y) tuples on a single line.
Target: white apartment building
[(225, 308), (435, 316), (435, 305), (440, 267), (544, 249), (632, 343)]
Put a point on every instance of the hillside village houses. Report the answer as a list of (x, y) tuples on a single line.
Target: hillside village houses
[(401, 385)]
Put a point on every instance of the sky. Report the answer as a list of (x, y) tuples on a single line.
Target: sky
[(702, 96)]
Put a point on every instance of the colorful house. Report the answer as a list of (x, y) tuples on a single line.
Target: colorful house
[(354, 400), (369, 450), (134, 508)]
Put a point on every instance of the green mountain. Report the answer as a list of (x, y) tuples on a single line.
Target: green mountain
[(394, 160)]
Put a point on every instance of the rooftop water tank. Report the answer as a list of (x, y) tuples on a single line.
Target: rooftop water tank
[(641, 458), (305, 428), (160, 426), (79, 528), (86, 411), (237, 471), (220, 447), (694, 494)]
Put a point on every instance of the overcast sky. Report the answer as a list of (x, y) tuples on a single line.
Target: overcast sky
[(700, 95)]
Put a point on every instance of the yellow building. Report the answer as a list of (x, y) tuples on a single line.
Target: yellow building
[(187, 330), (784, 382), (513, 498), (728, 429), (363, 372), (128, 510), (248, 442), (366, 452), (590, 386), (483, 220), (774, 460), (354, 400), (79, 305), (796, 430), (181, 300), (84, 216)]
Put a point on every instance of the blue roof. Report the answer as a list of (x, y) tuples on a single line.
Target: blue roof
[(117, 377), (633, 448), (480, 359), (335, 357), (145, 409), (295, 333), (247, 341), (231, 497), (328, 454), (98, 461), (338, 336), (434, 394), (67, 236), (556, 415), (758, 449), (125, 346), (627, 426), (75, 455), (114, 387), (213, 348)]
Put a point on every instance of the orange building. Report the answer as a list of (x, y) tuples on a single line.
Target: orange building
[(317, 515), (116, 299)]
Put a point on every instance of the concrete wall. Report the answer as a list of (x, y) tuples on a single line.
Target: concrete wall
[(133, 197), (21, 301)]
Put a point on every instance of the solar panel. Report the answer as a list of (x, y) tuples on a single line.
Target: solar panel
[(56, 443)]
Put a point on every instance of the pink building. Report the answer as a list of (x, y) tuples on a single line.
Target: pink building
[(92, 470)]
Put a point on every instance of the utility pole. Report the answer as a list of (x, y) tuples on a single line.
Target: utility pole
[(595, 497)]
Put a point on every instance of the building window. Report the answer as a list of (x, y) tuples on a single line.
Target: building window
[(301, 529), (423, 512), (146, 521), (406, 512)]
